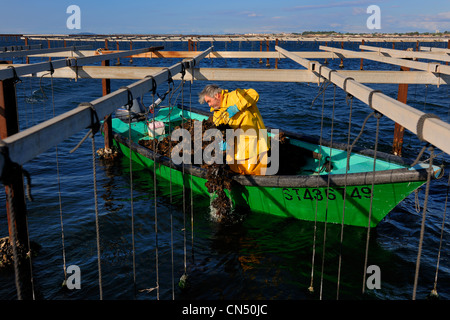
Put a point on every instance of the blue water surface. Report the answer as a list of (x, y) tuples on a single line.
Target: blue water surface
[(264, 257)]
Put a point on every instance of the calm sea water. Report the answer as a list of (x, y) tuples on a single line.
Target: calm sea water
[(263, 257)]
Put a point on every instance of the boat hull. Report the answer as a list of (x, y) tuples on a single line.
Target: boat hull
[(315, 199)]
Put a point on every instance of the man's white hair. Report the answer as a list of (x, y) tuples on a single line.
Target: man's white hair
[(210, 90)]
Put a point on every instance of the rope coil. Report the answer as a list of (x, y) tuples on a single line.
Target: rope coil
[(94, 126), (345, 85), (420, 124), (129, 104), (15, 77)]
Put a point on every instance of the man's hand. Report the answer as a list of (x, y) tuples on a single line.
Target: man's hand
[(232, 111)]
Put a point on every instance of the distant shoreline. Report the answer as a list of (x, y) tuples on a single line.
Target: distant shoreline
[(324, 36)]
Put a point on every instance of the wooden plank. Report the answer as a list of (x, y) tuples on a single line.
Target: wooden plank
[(433, 49), (435, 131), (27, 144), (235, 74), (309, 65), (24, 53), (77, 53), (430, 67), (8, 73), (18, 48), (436, 55), (101, 57), (212, 55)]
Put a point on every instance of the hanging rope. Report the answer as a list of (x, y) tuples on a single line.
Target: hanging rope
[(171, 92), (422, 228), (171, 219), (349, 100), (374, 113), (59, 186), (311, 286), (129, 106), (94, 127), (156, 204), (17, 272), (154, 87), (328, 192), (434, 293), (192, 183), (378, 117), (183, 283)]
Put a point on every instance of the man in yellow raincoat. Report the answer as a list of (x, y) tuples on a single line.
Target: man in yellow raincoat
[(238, 109)]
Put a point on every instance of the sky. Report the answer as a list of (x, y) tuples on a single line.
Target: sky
[(222, 17)]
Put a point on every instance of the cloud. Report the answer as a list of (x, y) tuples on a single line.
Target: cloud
[(359, 10), (443, 17), (250, 14), (419, 22)]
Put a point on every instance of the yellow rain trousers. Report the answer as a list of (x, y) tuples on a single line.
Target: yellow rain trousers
[(250, 152)]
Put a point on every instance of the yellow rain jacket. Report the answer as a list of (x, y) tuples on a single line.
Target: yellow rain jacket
[(252, 148)]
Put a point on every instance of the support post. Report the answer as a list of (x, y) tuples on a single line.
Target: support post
[(16, 210), (276, 59), (260, 49), (399, 131), (49, 46), (27, 60), (107, 124), (131, 48), (448, 47), (267, 47), (118, 59), (9, 125), (361, 67)]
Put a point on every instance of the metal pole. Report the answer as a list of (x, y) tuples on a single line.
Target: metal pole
[(16, 210), (361, 67), (276, 60), (50, 58), (131, 48), (27, 60), (400, 130), (448, 47), (118, 59), (107, 124)]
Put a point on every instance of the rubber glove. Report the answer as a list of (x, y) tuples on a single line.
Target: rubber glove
[(232, 111)]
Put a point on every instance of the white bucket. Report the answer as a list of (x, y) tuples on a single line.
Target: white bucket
[(155, 128)]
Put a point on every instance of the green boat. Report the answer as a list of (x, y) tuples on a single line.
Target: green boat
[(314, 193)]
